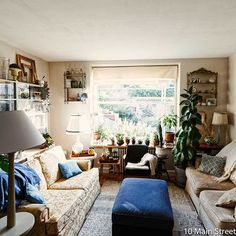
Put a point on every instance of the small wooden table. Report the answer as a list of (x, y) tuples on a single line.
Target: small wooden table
[(210, 149), (114, 165), (85, 157)]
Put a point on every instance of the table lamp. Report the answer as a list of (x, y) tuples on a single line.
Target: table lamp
[(219, 119), (16, 133), (78, 124)]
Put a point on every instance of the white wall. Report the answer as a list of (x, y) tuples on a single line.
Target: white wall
[(42, 67), (60, 112), (232, 96)]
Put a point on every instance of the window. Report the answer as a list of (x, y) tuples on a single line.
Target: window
[(130, 100)]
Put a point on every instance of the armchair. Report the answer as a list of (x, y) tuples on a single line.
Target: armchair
[(134, 155)]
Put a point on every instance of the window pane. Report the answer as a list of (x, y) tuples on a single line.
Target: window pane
[(133, 107)]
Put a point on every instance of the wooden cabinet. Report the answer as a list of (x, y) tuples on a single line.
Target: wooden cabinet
[(74, 86), (205, 83)]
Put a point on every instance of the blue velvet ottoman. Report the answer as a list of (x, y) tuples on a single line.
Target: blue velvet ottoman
[(142, 207)]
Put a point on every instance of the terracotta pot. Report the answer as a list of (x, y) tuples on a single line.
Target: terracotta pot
[(127, 141), (155, 142), (169, 137)]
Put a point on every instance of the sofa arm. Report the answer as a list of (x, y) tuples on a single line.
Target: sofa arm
[(40, 211), (84, 164)]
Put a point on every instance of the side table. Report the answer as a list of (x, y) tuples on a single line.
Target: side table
[(84, 157), (114, 165), (24, 223)]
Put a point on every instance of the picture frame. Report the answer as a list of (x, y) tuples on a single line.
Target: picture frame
[(28, 67), (211, 101)]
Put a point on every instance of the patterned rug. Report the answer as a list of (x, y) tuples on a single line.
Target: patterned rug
[(98, 220)]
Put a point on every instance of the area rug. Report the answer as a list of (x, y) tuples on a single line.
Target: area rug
[(98, 221)]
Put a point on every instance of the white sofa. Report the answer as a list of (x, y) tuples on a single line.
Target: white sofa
[(205, 191), (67, 200)]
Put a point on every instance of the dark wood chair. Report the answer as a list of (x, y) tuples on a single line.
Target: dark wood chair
[(134, 155)]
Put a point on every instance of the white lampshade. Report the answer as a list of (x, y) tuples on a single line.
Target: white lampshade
[(17, 132), (78, 124), (220, 118)]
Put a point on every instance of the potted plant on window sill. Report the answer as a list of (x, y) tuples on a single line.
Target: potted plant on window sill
[(169, 122), (187, 136)]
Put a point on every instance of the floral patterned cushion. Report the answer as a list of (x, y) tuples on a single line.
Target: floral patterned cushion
[(81, 181), (49, 161)]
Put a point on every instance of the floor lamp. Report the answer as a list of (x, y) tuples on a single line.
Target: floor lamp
[(77, 125), (219, 119), (16, 133)]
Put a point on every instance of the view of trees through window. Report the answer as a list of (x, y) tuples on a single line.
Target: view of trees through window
[(133, 108)]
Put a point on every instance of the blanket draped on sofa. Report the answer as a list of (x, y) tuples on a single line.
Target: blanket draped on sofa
[(23, 175)]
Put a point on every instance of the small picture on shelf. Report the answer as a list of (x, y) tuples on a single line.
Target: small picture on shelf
[(211, 101)]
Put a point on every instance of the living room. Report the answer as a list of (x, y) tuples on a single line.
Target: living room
[(113, 47)]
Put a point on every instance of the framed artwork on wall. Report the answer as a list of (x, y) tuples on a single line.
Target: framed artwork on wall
[(28, 68)]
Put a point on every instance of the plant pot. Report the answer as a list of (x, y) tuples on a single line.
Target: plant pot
[(180, 177), (155, 142), (169, 137), (120, 142), (133, 141), (97, 136), (127, 141), (147, 142), (140, 141)]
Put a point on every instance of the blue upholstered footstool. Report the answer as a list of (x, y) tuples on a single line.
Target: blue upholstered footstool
[(142, 207)]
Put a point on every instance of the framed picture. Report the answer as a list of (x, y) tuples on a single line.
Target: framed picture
[(211, 101), (28, 68)]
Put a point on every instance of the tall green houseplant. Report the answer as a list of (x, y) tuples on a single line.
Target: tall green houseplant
[(188, 136)]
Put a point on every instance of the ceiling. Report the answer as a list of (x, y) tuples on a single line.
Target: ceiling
[(65, 30)]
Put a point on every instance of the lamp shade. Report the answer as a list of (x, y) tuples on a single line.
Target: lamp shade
[(220, 118), (78, 124), (17, 132)]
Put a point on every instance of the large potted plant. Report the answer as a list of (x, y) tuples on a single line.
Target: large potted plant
[(169, 122), (188, 135)]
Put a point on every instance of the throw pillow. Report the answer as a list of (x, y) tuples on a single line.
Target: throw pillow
[(33, 195), (212, 165), (233, 175), (69, 169), (229, 151), (49, 161), (228, 199)]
